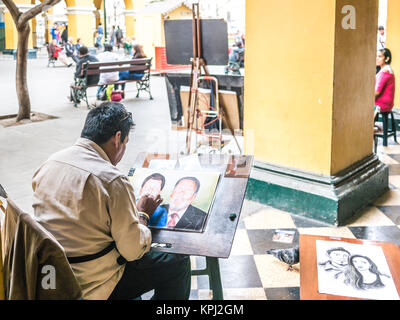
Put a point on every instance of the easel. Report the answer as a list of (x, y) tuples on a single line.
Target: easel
[(197, 64)]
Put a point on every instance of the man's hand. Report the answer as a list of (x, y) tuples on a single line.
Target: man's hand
[(148, 204)]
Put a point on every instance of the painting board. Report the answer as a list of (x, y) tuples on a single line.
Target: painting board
[(179, 41), (219, 228), (189, 194)]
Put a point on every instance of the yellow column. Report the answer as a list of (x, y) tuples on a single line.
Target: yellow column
[(393, 40), (131, 6), (11, 33), (81, 20), (48, 20), (309, 82)]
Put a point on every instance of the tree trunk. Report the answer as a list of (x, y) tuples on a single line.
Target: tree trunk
[(21, 73)]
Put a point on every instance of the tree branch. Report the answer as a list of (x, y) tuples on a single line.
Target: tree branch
[(33, 12), (15, 13)]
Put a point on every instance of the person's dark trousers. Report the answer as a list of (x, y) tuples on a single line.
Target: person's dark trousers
[(168, 274)]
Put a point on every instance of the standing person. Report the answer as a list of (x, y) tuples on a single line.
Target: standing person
[(385, 82), (64, 35), (93, 212), (107, 77), (100, 31), (118, 36), (53, 31), (381, 38), (132, 75), (112, 36), (58, 34), (97, 40)]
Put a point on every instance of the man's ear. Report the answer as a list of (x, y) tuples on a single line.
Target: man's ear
[(117, 139)]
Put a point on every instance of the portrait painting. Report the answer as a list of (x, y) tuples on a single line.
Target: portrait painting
[(354, 270), (187, 196)]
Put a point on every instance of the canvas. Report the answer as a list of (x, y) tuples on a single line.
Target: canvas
[(354, 270), (187, 196)]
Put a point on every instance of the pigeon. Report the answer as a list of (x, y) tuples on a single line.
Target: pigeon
[(288, 256)]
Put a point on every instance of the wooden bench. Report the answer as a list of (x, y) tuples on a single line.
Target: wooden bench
[(79, 88)]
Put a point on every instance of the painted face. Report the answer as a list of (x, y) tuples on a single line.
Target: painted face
[(340, 258), (361, 264), (152, 187), (183, 195)]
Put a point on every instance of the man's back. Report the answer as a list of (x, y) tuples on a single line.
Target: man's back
[(92, 79), (107, 77), (86, 203)]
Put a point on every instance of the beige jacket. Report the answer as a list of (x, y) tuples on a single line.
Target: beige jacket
[(87, 203)]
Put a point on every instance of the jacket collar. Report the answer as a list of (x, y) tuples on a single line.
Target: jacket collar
[(90, 145)]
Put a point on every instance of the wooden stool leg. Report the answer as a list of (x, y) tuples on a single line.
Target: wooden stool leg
[(385, 129), (215, 278), (394, 130)]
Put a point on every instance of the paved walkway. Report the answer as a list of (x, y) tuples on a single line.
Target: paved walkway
[(25, 147), (249, 273)]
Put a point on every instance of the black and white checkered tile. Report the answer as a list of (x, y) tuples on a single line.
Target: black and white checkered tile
[(250, 274)]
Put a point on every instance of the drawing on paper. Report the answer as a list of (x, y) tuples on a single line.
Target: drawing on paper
[(354, 270), (187, 196)]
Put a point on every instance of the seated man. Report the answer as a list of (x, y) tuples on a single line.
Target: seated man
[(107, 77), (85, 57), (77, 89), (89, 206), (70, 50)]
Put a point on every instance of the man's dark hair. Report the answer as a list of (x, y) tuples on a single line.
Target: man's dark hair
[(155, 176), (381, 28), (195, 180), (105, 121), (108, 47), (83, 50), (337, 249)]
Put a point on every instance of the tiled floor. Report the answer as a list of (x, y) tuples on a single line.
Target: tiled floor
[(250, 274)]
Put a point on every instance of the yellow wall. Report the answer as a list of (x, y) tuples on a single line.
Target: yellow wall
[(393, 40), (288, 82), (11, 33), (81, 25), (309, 83)]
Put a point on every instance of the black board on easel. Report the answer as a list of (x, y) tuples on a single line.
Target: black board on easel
[(179, 41)]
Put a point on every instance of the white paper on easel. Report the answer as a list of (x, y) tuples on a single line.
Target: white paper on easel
[(162, 164), (190, 163), (354, 270)]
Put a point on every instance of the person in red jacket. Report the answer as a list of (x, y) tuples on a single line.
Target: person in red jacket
[(385, 82)]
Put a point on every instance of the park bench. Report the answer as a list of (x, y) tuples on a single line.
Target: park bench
[(79, 88)]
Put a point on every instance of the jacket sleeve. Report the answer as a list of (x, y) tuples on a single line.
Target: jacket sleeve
[(133, 239)]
